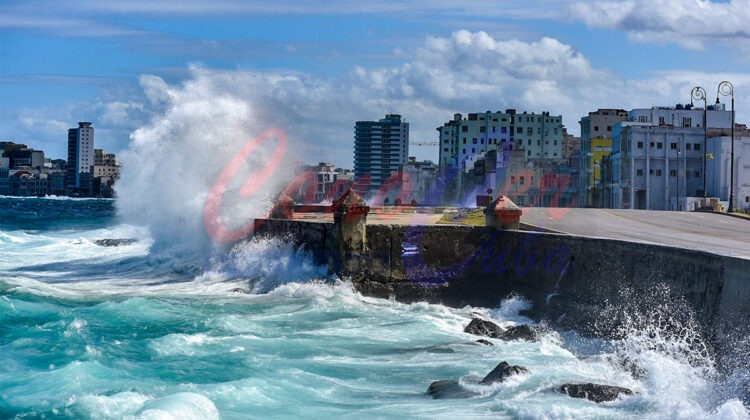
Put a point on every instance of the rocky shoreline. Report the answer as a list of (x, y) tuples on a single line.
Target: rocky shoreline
[(453, 389)]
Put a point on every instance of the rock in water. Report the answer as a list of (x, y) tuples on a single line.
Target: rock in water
[(440, 390), (521, 332), (484, 343), (594, 392), (501, 372), (114, 242), (479, 326)]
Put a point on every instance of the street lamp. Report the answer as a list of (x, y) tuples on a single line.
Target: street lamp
[(699, 94), (679, 150), (725, 88)]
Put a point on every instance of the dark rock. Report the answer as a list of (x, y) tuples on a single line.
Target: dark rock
[(114, 242), (594, 392), (521, 332), (479, 326), (501, 372), (238, 290), (441, 390), (484, 343)]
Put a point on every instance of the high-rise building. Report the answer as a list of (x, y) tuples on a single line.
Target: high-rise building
[(80, 155), (381, 148), (507, 141)]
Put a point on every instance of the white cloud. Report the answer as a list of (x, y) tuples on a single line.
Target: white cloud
[(688, 23), (72, 27), (465, 72)]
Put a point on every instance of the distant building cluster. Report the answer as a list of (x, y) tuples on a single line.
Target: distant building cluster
[(88, 172), (658, 158)]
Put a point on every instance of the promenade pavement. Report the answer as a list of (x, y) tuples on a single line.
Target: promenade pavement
[(710, 232)]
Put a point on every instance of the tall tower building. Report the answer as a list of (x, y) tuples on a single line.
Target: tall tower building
[(381, 148), (80, 155)]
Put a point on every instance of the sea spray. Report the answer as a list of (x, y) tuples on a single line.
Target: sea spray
[(266, 263), (172, 163)]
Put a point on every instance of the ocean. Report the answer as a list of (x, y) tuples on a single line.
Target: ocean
[(255, 330)]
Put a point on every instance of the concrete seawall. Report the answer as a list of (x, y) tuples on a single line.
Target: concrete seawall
[(573, 282)]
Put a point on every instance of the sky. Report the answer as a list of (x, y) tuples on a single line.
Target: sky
[(315, 68)]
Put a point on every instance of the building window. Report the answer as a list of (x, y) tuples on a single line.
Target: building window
[(688, 146), (474, 140), (609, 128), (493, 127), (529, 140), (697, 174), (650, 171), (672, 172), (697, 147), (642, 118), (639, 172), (673, 146), (529, 153), (661, 121), (658, 145), (482, 129), (473, 150), (464, 140), (658, 172), (522, 180), (651, 145), (503, 130), (529, 131), (596, 128), (464, 151), (445, 150), (686, 122), (465, 128), (519, 130), (640, 145), (538, 142)]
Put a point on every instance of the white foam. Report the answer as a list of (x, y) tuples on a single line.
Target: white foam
[(182, 406)]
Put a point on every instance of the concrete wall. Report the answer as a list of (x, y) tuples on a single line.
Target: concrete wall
[(581, 283)]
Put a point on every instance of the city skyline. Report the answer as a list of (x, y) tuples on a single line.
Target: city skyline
[(319, 68)]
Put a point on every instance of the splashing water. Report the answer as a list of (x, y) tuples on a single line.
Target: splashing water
[(173, 163)]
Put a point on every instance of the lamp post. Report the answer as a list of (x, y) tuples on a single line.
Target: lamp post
[(679, 150), (698, 93), (725, 88)]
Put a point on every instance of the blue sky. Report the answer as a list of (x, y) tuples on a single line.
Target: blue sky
[(315, 68)]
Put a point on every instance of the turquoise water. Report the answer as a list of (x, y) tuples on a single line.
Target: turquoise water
[(144, 331)]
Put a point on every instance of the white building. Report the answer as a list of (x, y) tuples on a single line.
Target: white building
[(658, 156), (719, 165), (656, 167), (105, 165), (80, 154)]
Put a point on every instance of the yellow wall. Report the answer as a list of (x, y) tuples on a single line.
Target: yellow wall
[(599, 148)]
